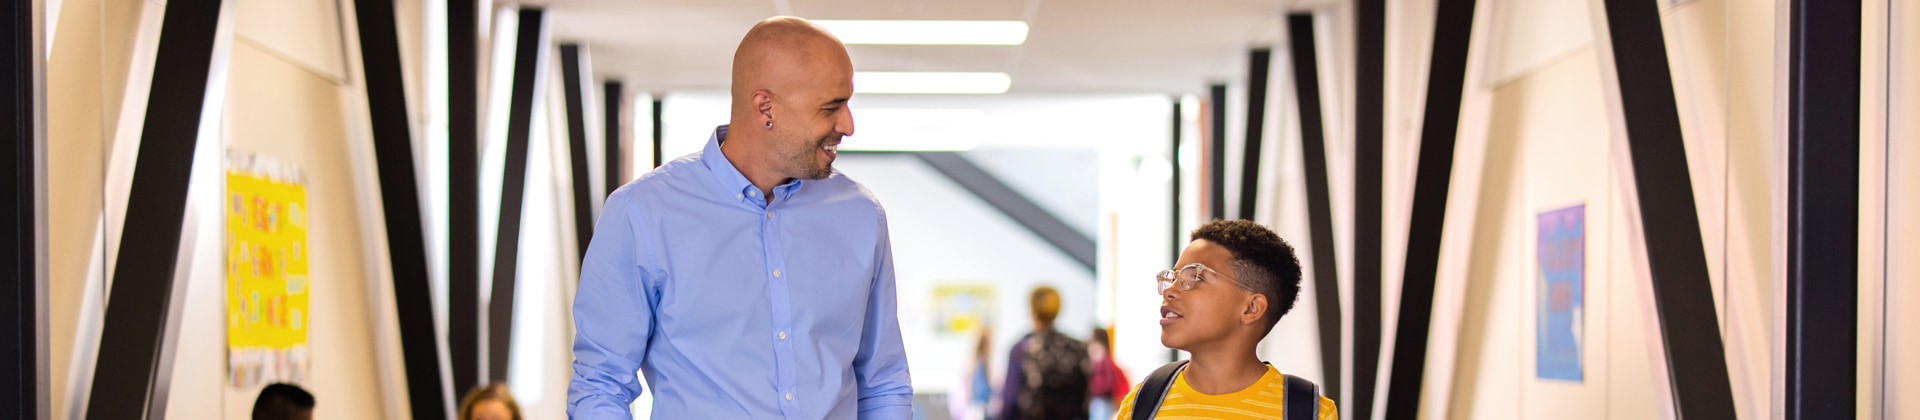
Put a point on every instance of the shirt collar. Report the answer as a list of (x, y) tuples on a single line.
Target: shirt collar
[(730, 178)]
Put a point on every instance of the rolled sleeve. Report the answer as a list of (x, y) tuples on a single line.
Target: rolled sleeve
[(613, 317), (885, 387)]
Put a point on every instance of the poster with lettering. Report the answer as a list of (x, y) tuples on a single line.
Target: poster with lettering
[(267, 284), (1561, 301)]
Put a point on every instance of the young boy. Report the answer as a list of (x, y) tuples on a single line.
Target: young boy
[(1233, 282)]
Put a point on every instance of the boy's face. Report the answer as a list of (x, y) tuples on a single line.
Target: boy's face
[(1213, 310)]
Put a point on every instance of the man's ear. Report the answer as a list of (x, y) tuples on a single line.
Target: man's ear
[(1255, 309), (762, 107)]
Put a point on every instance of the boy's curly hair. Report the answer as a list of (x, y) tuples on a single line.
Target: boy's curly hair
[(1264, 263)]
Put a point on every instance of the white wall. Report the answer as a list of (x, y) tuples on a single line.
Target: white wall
[(1549, 146), (280, 109), (1902, 327)]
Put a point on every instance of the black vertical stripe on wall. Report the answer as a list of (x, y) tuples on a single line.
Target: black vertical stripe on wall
[(1326, 272), (1217, 153), (657, 129), (1823, 209), (464, 319), (1258, 61), (1676, 257), (23, 300), (576, 86), (1446, 79), (1370, 25), (430, 394), (138, 334), (1173, 152), (529, 49), (616, 167)]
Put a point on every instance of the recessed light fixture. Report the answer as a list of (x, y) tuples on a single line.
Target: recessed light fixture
[(930, 82), (927, 32)]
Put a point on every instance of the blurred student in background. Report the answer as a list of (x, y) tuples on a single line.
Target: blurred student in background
[(283, 402), (1046, 371), (972, 397), (1109, 384), (490, 402)]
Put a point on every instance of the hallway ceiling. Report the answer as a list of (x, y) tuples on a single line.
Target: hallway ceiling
[(1073, 46)]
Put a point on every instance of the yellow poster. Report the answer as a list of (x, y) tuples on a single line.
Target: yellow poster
[(267, 280), (961, 308)]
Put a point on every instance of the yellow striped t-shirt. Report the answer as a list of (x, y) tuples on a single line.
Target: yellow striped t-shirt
[(1259, 401)]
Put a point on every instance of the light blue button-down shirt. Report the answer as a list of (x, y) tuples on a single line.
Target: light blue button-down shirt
[(735, 308)]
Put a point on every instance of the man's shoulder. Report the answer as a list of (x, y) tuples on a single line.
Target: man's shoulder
[(844, 193), (673, 175)]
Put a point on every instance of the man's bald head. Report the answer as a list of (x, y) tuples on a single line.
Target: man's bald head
[(784, 53), (791, 84)]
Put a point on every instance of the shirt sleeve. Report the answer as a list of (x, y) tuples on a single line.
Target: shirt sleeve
[(1125, 411), (886, 390), (613, 318), (1327, 410), (1010, 393)]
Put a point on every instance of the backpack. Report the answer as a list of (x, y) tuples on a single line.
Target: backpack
[(1300, 393), (1056, 373)]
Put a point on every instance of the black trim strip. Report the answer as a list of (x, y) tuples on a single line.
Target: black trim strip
[(616, 169), (464, 321), (23, 301), (577, 145), (1446, 80), (1179, 234), (1179, 238), (1216, 184), (657, 130), (1370, 23), (400, 196), (1016, 206), (1676, 257), (1326, 272), (1258, 62), (138, 334), (1823, 211), (528, 49)]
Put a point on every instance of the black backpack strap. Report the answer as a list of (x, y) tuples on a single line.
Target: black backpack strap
[(1301, 393), (1146, 401)]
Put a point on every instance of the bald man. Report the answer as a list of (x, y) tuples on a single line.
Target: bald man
[(749, 280)]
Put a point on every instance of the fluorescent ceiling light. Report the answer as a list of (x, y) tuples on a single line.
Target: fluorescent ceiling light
[(930, 82), (916, 130), (927, 32)]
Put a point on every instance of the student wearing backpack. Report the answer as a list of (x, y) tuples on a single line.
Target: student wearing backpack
[(1232, 284), (1047, 372)]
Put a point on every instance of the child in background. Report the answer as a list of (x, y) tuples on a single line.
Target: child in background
[(1109, 383)]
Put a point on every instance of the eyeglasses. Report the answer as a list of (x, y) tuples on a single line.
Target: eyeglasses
[(1187, 278)]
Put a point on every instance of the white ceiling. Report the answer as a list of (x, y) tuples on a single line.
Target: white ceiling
[(1080, 46)]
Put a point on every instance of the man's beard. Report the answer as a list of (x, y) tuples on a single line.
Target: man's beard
[(803, 162)]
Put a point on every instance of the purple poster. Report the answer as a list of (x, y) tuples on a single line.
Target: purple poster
[(1561, 294)]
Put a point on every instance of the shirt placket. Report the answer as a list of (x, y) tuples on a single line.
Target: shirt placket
[(782, 311)]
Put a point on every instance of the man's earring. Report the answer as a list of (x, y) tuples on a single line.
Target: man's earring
[(769, 124)]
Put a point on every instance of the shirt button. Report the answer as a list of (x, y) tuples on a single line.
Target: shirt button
[(739, 196), (776, 273), (783, 335), (769, 215), (753, 193), (789, 396)]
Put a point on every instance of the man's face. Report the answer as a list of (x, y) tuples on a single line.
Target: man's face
[(813, 117), (1210, 312)]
